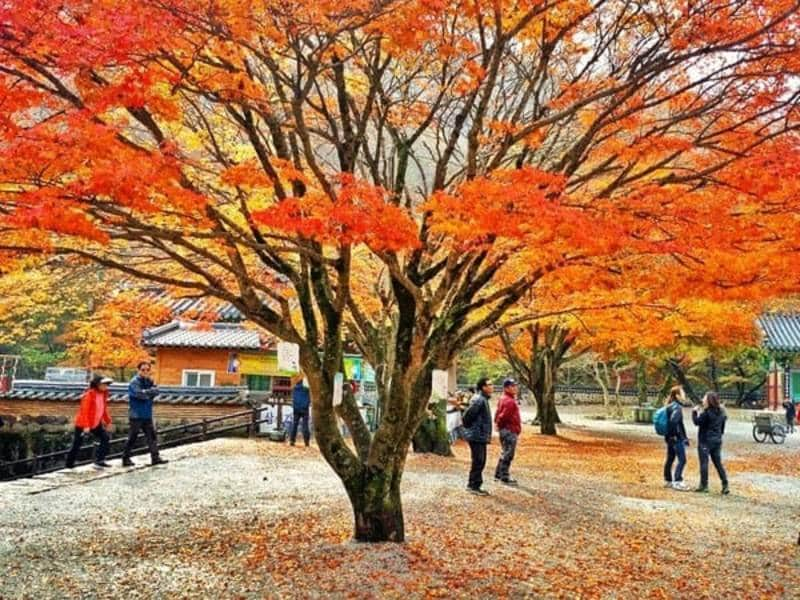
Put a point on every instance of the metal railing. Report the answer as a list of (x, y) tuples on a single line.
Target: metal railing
[(39, 463)]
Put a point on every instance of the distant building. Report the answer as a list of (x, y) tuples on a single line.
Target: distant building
[(782, 340), (191, 354)]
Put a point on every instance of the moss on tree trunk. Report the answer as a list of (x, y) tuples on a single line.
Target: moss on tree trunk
[(432, 435)]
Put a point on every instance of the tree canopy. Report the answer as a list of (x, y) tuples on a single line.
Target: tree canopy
[(403, 172)]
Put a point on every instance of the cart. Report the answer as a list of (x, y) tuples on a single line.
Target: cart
[(769, 425)]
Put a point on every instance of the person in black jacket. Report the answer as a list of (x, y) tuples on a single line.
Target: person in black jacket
[(478, 433), (710, 421), (676, 440), (790, 415)]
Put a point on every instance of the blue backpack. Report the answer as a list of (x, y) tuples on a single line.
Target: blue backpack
[(661, 420)]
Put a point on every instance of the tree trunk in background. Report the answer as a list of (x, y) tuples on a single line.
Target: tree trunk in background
[(641, 383), (548, 417), (432, 435), (680, 377), (548, 353)]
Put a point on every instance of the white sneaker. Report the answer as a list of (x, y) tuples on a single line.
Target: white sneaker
[(680, 486), (667, 484)]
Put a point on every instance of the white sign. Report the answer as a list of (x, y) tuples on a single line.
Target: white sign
[(288, 357), (338, 383), (439, 386)]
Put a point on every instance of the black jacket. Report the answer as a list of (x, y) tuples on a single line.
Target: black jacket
[(790, 410), (675, 428), (710, 426), (480, 431)]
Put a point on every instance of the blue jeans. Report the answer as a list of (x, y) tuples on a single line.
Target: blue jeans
[(675, 449)]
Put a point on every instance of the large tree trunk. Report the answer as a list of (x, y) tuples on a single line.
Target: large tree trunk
[(377, 507)]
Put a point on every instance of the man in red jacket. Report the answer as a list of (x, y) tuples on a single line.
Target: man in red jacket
[(509, 424)]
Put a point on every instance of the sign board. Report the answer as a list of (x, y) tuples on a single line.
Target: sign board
[(352, 367), (440, 387), (288, 357), (338, 382), (264, 363)]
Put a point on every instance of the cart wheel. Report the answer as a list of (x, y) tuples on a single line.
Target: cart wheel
[(759, 436), (778, 434)]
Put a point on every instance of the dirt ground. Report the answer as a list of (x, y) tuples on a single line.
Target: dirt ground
[(255, 519)]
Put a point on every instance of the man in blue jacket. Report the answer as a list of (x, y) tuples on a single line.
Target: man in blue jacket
[(141, 392), (478, 432), (301, 402)]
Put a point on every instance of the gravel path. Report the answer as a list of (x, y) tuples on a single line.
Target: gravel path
[(237, 518)]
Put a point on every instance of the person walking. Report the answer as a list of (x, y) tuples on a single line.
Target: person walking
[(790, 415), (710, 420), (478, 433), (93, 418), (676, 440), (509, 424), (141, 392), (301, 402)]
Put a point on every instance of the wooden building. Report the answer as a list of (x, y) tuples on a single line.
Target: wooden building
[(782, 340), (191, 354)]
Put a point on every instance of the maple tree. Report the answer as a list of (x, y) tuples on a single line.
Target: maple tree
[(402, 173)]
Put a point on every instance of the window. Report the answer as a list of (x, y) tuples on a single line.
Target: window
[(258, 383), (795, 395), (193, 378)]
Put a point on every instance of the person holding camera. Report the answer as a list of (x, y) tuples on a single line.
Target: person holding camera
[(710, 419), (141, 393)]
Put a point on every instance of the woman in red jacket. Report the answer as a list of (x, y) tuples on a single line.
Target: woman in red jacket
[(93, 418)]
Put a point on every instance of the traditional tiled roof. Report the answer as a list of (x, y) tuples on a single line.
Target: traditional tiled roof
[(781, 331), (191, 335), (72, 392)]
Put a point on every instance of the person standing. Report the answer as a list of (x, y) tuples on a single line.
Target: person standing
[(509, 424), (478, 433), (141, 392), (301, 403), (710, 419), (676, 440), (93, 418), (790, 415)]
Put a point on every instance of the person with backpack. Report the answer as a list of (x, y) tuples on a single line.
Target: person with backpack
[(669, 420), (509, 425), (790, 415), (93, 418), (478, 433), (710, 420)]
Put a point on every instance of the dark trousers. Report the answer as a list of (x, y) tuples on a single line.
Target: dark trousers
[(790, 424), (296, 418), (145, 425), (478, 452), (508, 440), (100, 434), (675, 449), (715, 452)]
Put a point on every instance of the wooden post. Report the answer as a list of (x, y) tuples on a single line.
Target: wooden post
[(205, 428), (253, 424)]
